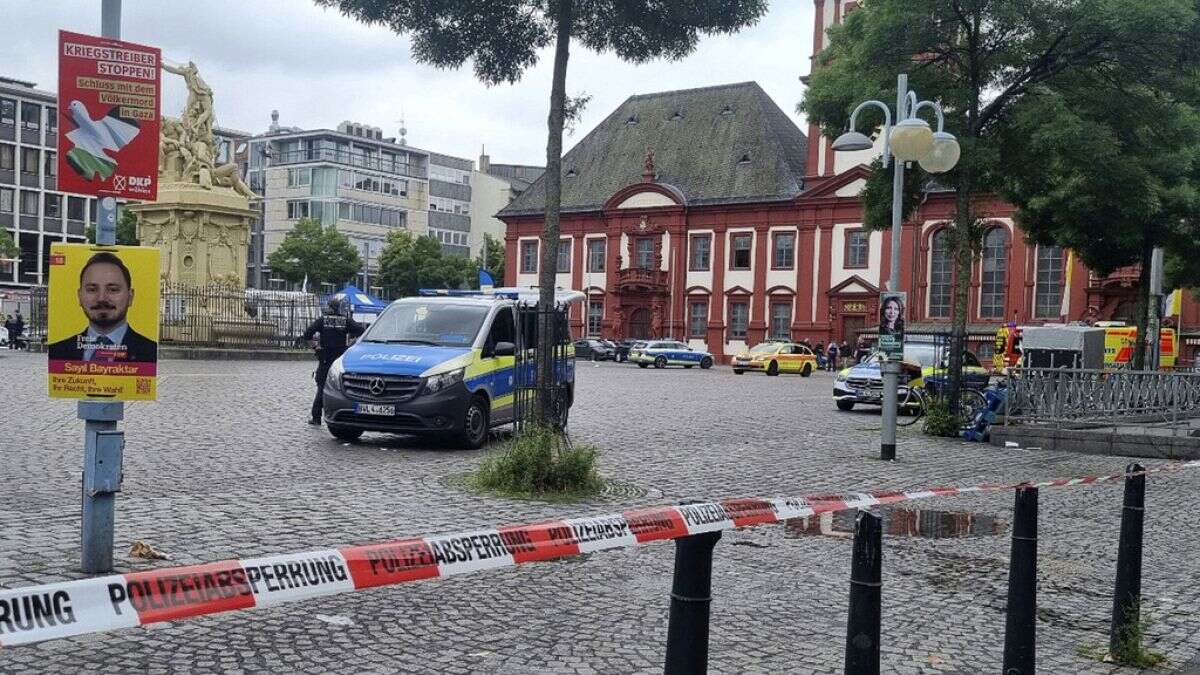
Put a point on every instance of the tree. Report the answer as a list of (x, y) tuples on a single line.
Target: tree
[(980, 59), (8, 248), (491, 257), (126, 229), (1110, 169), (410, 263), (503, 40), (322, 254)]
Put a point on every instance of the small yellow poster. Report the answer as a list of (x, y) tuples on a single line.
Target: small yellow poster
[(102, 335)]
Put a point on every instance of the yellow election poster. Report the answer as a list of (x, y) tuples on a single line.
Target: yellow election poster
[(102, 336)]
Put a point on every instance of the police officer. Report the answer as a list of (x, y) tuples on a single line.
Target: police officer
[(334, 326)]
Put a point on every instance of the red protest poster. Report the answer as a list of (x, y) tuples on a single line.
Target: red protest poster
[(108, 98)]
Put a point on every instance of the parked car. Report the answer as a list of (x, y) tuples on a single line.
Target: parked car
[(862, 383), (623, 347), (596, 350), (775, 357), (663, 353)]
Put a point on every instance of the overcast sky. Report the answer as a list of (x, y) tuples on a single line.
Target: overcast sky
[(318, 68)]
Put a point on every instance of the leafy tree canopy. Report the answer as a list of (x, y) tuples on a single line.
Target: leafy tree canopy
[(491, 257), (322, 254), (126, 229), (8, 248), (409, 263)]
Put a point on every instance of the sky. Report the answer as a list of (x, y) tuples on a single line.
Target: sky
[(318, 68)]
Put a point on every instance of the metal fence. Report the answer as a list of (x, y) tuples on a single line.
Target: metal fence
[(219, 315), (1100, 397), (525, 390)]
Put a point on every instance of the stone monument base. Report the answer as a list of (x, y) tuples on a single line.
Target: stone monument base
[(202, 235)]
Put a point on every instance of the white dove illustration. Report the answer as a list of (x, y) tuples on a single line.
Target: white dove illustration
[(96, 136)]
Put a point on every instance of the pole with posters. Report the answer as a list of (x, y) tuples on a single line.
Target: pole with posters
[(102, 296)]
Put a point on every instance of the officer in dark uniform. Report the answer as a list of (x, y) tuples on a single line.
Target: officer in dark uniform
[(334, 326)]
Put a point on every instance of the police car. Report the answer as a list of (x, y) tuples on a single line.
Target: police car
[(663, 353), (440, 365)]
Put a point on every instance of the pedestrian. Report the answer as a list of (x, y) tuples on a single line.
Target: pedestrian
[(820, 352), (334, 327), (833, 356), (18, 329), (8, 328), (844, 352), (860, 350)]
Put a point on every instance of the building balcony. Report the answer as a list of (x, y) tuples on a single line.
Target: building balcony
[(1124, 277), (639, 279), (354, 159)]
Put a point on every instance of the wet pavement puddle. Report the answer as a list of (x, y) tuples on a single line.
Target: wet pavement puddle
[(901, 522)]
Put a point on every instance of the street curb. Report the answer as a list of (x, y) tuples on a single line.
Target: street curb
[(1098, 442)]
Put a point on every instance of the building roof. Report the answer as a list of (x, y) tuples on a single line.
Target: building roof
[(10, 85), (723, 144)]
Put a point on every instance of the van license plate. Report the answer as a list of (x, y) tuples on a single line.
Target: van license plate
[(372, 409)]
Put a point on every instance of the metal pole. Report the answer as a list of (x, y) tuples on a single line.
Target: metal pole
[(691, 595), (890, 370), (1127, 595), (866, 594), (101, 417), (1020, 626)]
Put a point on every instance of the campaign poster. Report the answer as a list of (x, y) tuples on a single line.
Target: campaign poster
[(891, 324), (102, 333), (108, 117)]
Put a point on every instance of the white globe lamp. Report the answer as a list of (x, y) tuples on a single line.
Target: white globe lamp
[(943, 155), (911, 139)]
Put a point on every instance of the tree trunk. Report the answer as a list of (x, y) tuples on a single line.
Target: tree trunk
[(962, 251), (549, 266), (1143, 305)]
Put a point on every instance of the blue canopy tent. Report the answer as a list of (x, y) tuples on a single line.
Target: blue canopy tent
[(363, 307)]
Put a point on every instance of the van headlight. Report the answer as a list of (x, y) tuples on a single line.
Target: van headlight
[(436, 383), (334, 379), (841, 377)]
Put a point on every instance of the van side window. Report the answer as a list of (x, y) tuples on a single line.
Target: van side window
[(503, 328)]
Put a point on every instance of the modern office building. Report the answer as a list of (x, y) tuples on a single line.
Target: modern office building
[(493, 186)]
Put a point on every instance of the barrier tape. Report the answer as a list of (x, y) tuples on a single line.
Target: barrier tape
[(58, 610)]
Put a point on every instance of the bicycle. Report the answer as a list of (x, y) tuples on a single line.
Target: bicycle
[(918, 399)]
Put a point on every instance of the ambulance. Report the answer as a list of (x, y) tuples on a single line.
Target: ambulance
[(1119, 343), (442, 364)]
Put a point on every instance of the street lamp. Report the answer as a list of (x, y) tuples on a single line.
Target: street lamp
[(910, 140)]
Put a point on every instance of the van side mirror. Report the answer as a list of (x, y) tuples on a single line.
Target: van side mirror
[(504, 349)]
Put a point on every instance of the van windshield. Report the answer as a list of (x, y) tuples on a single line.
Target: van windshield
[(434, 323)]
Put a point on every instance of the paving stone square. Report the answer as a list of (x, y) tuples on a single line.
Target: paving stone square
[(223, 466)]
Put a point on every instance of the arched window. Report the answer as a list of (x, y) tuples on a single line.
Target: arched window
[(941, 272), (995, 274), (1048, 297)]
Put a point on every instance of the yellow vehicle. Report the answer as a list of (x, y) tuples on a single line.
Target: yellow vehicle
[(774, 358), (1120, 341)]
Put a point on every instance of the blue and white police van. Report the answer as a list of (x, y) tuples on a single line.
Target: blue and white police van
[(442, 363)]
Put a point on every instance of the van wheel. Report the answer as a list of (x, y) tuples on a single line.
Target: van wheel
[(807, 370), (706, 362), (773, 369), (845, 405), (660, 362), (643, 365), (738, 372), (348, 434), (475, 424)]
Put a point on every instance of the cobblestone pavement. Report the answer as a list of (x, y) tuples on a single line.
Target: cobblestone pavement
[(223, 466)]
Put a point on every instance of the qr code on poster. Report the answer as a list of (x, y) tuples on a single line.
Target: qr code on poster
[(143, 385)]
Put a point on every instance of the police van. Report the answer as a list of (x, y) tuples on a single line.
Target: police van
[(443, 363)]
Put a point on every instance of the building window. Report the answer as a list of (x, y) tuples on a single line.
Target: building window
[(76, 208), (596, 252), (1048, 303), (595, 317), (529, 250), (564, 256), (8, 157), (299, 177), (29, 161), (784, 251), (699, 252), (31, 115), (8, 111), (29, 203), (858, 248), (739, 319), (6, 200), (297, 209), (644, 253), (697, 319), (941, 273), (53, 206), (52, 120), (781, 320), (994, 277), (51, 164), (740, 260)]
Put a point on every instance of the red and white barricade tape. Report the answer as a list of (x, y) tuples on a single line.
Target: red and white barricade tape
[(58, 610)]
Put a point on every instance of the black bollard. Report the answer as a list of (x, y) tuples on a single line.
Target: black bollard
[(1020, 625), (1127, 596), (866, 594), (691, 595)]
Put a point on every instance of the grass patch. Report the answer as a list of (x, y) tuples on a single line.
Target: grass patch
[(939, 421), (538, 462), (1130, 651)]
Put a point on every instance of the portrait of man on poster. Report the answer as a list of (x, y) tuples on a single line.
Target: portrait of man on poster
[(105, 295)]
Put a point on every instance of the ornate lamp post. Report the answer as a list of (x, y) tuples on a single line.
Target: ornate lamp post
[(909, 140)]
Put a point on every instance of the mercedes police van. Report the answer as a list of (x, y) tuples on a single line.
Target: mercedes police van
[(442, 363)]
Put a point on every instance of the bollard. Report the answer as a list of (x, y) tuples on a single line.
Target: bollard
[(691, 595), (866, 594), (1020, 625), (1127, 596)]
